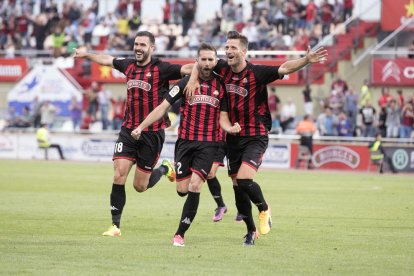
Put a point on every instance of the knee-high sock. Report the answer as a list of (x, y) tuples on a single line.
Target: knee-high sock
[(118, 199), (255, 193), (156, 175), (244, 207), (189, 212), (215, 190)]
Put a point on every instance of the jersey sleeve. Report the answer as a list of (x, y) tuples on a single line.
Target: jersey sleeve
[(170, 71), (221, 63), (266, 74), (177, 91), (224, 101), (121, 64)]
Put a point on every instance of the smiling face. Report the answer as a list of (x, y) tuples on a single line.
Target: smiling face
[(236, 54), (207, 59), (143, 49)]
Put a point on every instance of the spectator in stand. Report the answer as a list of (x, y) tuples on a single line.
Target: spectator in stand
[(344, 126), (407, 121), (400, 98), (250, 31), (92, 95), (273, 102), (306, 128), (365, 95), (368, 120), (288, 114), (48, 113), (229, 16), (279, 18), (339, 85), (35, 111), (188, 15), (166, 12), (75, 109), (103, 98), (239, 24), (118, 107), (336, 102), (326, 12), (338, 12), (311, 14), (348, 7), (291, 16), (58, 39), (301, 14), (327, 123), (351, 107), (385, 97), (393, 119), (382, 118), (307, 98), (89, 24)]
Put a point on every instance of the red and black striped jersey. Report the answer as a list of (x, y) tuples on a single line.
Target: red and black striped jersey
[(146, 87), (200, 113), (247, 96)]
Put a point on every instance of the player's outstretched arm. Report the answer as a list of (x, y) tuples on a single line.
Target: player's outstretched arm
[(101, 59), (193, 84), (226, 125), (154, 116), (186, 69), (290, 66)]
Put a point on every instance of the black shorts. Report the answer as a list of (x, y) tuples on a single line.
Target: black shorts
[(145, 151), (221, 153), (248, 150), (194, 156)]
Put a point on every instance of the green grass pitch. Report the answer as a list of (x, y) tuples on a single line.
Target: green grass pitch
[(53, 214)]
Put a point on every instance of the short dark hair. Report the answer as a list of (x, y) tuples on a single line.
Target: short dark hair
[(147, 34), (236, 35), (206, 46)]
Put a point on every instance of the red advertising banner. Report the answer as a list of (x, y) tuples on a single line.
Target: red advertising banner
[(106, 74), (395, 12), (355, 157), (12, 69), (398, 71)]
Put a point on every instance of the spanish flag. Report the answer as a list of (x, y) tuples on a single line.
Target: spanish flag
[(395, 12)]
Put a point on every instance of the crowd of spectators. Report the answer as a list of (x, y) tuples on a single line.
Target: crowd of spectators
[(272, 25), (350, 113)]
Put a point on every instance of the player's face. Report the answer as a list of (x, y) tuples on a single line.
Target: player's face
[(207, 59), (235, 52), (143, 49)]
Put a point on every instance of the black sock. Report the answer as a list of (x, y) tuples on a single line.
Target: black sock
[(215, 190), (255, 193), (118, 199), (156, 175), (189, 212), (244, 207)]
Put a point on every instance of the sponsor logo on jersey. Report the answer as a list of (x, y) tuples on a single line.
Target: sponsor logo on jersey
[(139, 84), (174, 91), (197, 99), (148, 75), (231, 88)]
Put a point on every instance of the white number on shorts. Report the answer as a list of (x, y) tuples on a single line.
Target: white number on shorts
[(179, 168), (118, 147)]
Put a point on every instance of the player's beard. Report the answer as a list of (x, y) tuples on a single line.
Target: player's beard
[(206, 73), (142, 58)]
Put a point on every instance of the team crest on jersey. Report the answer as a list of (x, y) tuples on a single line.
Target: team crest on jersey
[(197, 99), (244, 80), (139, 84), (174, 91), (148, 75), (215, 93), (231, 88)]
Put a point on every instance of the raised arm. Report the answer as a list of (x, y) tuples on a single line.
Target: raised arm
[(226, 125), (193, 83), (154, 116), (186, 69), (101, 59), (290, 66)]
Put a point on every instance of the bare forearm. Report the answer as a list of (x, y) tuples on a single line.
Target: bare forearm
[(187, 69), (291, 66), (155, 115), (101, 59)]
